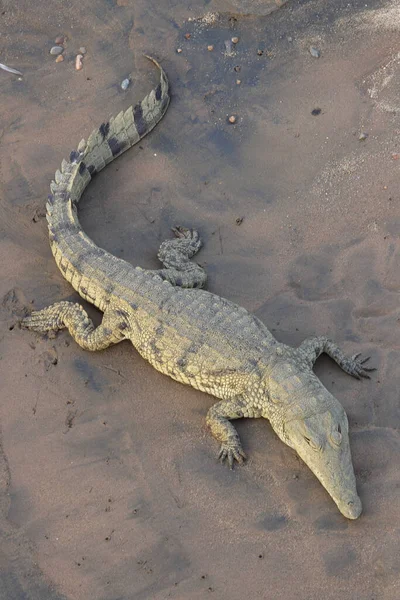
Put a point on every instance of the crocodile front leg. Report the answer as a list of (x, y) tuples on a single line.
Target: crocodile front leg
[(312, 348), (73, 316), (175, 256), (224, 432)]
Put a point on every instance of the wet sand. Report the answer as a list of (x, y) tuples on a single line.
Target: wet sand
[(109, 484)]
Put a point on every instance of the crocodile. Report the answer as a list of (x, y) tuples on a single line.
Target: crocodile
[(194, 336)]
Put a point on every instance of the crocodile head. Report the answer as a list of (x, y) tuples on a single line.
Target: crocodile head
[(322, 441), (311, 421)]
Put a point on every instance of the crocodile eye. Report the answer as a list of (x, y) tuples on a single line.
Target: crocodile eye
[(314, 445), (336, 436)]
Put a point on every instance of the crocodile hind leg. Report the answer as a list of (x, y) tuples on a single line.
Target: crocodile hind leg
[(312, 348), (72, 316), (224, 432), (175, 256)]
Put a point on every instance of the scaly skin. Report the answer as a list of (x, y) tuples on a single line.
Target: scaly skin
[(191, 335)]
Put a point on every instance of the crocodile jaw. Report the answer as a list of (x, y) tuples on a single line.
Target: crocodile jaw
[(331, 463)]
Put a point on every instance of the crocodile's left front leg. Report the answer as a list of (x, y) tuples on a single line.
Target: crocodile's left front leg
[(224, 432), (312, 348), (175, 256)]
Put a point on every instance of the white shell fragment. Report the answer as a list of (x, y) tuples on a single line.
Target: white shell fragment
[(315, 52), (10, 69), (125, 84)]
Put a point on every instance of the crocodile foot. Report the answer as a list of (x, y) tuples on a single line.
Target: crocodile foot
[(232, 451), (185, 233), (356, 368)]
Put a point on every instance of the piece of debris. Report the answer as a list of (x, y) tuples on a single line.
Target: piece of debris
[(59, 58), (235, 40), (316, 111), (125, 84), (10, 69), (232, 119), (82, 50), (363, 136), (210, 48), (179, 50), (55, 50), (188, 36), (290, 39), (238, 81), (395, 156), (60, 40), (239, 220), (260, 52), (236, 69), (79, 62), (315, 52), (38, 214)]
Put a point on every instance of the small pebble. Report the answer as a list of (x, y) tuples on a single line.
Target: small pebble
[(395, 156), (59, 58), (363, 136), (290, 39), (238, 81), (260, 52), (78, 62), (235, 40), (239, 220), (316, 111), (237, 69), (188, 36), (232, 119), (56, 50), (210, 48), (82, 50), (125, 84), (315, 52), (179, 50), (60, 40)]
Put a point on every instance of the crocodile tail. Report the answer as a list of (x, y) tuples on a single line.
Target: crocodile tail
[(103, 145)]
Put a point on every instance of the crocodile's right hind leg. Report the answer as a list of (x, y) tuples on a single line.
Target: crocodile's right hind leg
[(175, 256), (73, 316)]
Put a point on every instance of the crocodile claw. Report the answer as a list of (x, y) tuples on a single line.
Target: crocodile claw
[(185, 233), (232, 453), (357, 369)]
